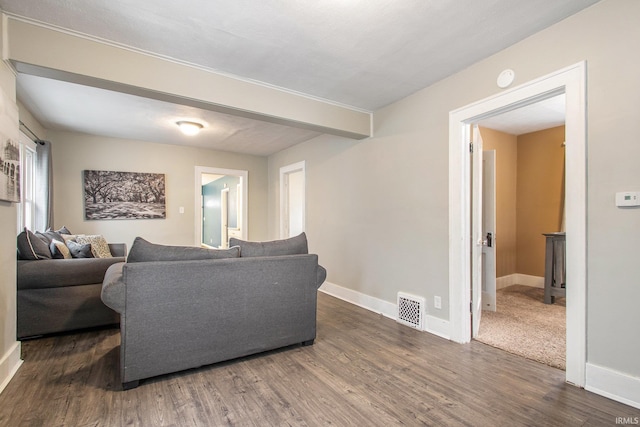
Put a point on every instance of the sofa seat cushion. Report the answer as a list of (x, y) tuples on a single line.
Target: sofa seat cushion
[(292, 246), (144, 251), (54, 273)]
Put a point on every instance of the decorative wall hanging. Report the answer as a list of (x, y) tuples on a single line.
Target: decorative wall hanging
[(9, 150), (123, 195)]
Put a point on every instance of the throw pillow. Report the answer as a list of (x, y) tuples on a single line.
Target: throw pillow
[(292, 246), (79, 251), (142, 251), (63, 230), (48, 236), (31, 247), (69, 237), (99, 246), (59, 250)]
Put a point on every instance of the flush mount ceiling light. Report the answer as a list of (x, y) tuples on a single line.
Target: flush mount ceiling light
[(189, 128)]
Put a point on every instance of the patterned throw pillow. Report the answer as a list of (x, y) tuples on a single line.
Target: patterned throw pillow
[(99, 246)]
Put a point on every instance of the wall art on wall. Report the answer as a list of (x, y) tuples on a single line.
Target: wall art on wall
[(123, 195), (9, 150)]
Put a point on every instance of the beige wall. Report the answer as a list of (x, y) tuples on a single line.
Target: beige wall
[(9, 347), (540, 195), (73, 153), (506, 147), (378, 209)]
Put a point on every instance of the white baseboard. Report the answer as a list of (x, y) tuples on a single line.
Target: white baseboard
[(438, 326), (377, 305), (433, 325), (613, 384), (9, 364), (519, 279), (505, 281)]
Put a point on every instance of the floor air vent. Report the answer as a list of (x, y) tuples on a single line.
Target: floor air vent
[(411, 310)]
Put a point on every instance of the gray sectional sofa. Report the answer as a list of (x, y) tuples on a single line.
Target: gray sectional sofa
[(185, 307), (59, 295)]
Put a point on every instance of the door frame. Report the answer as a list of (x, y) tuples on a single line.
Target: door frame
[(572, 82), (244, 182), (285, 171)]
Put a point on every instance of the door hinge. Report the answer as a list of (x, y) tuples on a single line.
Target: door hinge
[(471, 147), (471, 307)]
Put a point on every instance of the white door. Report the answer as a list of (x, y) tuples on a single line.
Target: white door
[(489, 230), (292, 200), (477, 238)]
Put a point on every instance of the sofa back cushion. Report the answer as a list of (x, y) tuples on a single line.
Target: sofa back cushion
[(292, 246), (143, 251)]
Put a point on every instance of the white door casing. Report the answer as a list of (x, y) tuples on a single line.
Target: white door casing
[(243, 199), (572, 82), (224, 218), (292, 199)]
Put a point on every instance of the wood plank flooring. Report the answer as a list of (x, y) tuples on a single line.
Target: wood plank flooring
[(363, 370)]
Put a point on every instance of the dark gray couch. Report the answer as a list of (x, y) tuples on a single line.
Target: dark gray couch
[(58, 295), (177, 315)]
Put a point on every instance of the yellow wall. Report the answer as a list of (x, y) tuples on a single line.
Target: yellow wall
[(529, 180), (539, 202), (505, 146)]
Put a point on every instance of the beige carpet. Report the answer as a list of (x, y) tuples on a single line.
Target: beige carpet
[(525, 326)]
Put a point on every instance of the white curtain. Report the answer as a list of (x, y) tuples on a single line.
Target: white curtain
[(44, 186)]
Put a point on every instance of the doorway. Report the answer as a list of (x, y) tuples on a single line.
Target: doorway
[(292, 199), (529, 191), (572, 82), (220, 206)]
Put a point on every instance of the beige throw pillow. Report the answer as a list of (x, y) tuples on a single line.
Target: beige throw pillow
[(62, 248)]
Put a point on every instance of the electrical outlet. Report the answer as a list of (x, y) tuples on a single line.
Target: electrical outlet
[(437, 302)]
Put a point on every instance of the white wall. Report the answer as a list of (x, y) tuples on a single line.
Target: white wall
[(74, 152), (377, 210)]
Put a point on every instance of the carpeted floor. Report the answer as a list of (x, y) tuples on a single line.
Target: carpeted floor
[(524, 325)]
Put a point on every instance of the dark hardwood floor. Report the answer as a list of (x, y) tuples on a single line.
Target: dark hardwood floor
[(363, 370)]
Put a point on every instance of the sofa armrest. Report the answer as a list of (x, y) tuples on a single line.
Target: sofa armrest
[(321, 275), (118, 249), (113, 288)]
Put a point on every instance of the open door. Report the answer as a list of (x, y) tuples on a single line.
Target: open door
[(477, 237), (489, 230)]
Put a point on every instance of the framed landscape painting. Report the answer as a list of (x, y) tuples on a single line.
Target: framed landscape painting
[(123, 195)]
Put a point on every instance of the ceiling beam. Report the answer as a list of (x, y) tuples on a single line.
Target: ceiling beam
[(48, 52)]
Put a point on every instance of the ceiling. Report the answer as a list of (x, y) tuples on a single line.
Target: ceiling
[(541, 115), (361, 53)]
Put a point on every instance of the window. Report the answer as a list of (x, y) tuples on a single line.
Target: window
[(26, 207)]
